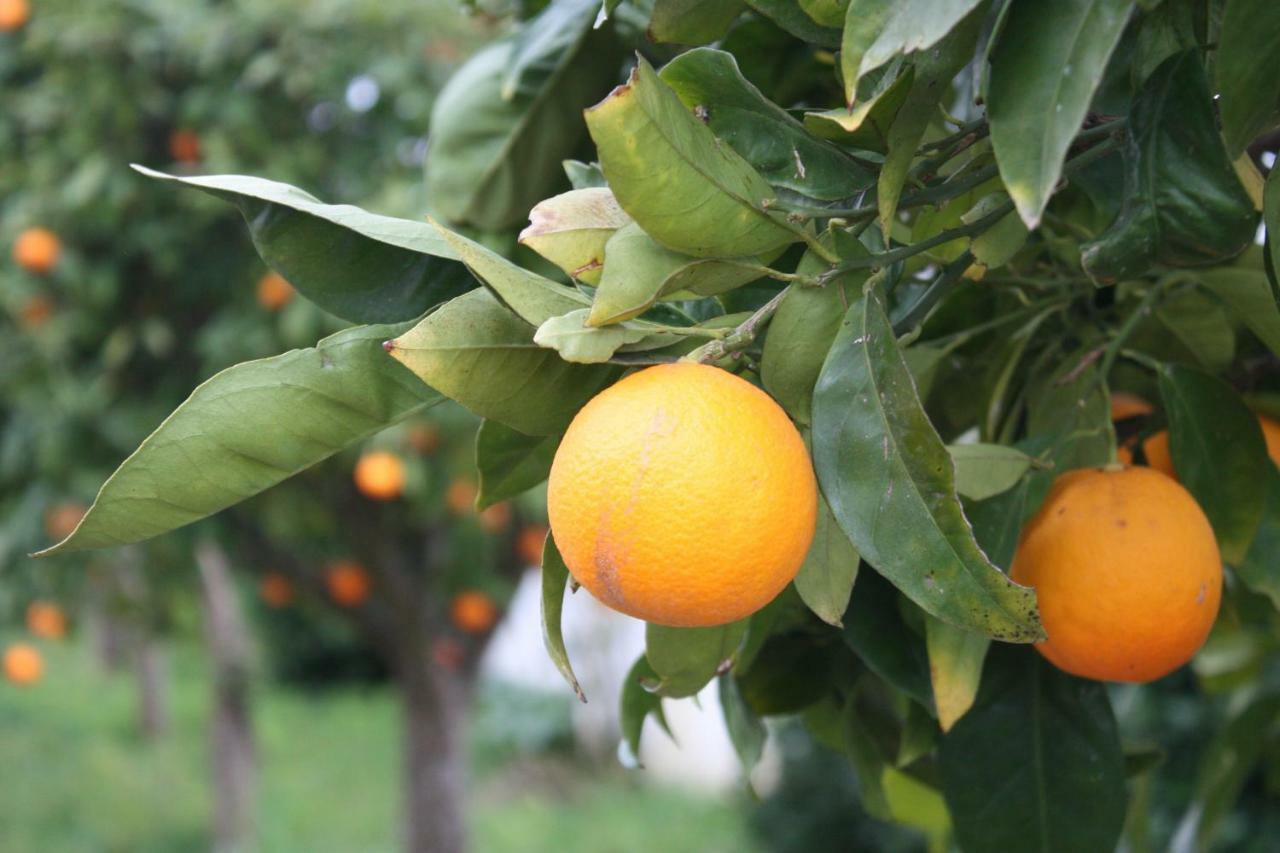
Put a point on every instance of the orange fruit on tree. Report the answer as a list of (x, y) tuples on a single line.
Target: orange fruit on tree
[(184, 146), (37, 250), (22, 664), (473, 612), (1156, 447), (1125, 405), (529, 544), (348, 583), (496, 517), (35, 312), (276, 590), (380, 475), (461, 496), (14, 14), (60, 520), (274, 292), (46, 620), (683, 495), (1126, 571)]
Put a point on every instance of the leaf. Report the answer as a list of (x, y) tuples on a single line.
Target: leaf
[(866, 124), (1249, 297), (826, 578), (555, 577), (788, 15), (577, 342), (955, 668), (1184, 205), (639, 272), (1199, 322), (509, 462), (1218, 452), (491, 158), (474, 351), (690, 192), (983, 470), (790, 673), (686, 659), (357, 265), (1247, 71), (746, 731), (875, 630), (762, 132), (1036, 765), (1045, 67), (998, 244), (875, 31), (913, 803), (584, 175), (692, 21), (891, 485), (1271, 214), (534, 298), (248, 428), (571, 230), (1070, 411), (1259, 569), (637, 703)]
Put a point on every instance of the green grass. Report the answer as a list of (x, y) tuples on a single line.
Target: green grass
[(75, 776)]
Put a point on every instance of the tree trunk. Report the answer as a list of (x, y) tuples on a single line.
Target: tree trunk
[(434, 760), (234, 760), (152, 673)]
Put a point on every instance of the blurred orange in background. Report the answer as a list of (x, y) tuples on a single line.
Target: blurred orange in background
[(37, 249), (274, 292), (46, 620), (23, 664), (348, 583)]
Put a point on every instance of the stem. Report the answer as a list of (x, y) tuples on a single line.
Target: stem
[(686, 331), (1144, 309), (920, 309), (741, 336), (815, 245)]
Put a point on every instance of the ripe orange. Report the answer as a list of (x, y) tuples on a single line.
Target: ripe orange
[(380, 475), (348, 583), (35, 312), (274, 292), (1156, 447), (13, 14), (46, 620), (529, 544), (473, 612), (276, 590), (461, 496), (683, 495), (36, 250), (60, 521), (22, 664), (424, 438), (1126, 571), (184, 146), (496, 518)]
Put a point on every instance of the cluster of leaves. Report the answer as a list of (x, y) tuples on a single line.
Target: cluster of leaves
[(938, 232)]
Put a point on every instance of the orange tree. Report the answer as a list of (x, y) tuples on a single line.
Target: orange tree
[(935, 234)]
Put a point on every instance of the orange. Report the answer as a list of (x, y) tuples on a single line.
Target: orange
[(380, 475), (424, 438), (1156, 448), (35, 312), (36, 250), (461, 496), (496, 518), (529, 544), (473, 612), (1126, 571), (274, 292), (184, 146), (46, 620), (348, 583), (1125, 405), (22, 664), (60, 521), (13, 14), (276, 590), (683, 495)]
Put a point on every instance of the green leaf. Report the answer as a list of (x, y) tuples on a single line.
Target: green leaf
[(1259, 569), (492, 157), (692, 21), (1249, 297), (638, 272), (1199, 322), (248, 428), (510, 463), (555, 577), (805, 324), (475, 351), (571, 230), (582, 175), (866, 124), (686, 659), (577, 342), (828, 13), (1184, 204), (790, 673), (998, 244), (826, 578), (876, 31), (866, 756), (789, 16), (1072, 414), (637, 703), (913, 803), (1271, 215), (357, 265), (955, 668), (534, 298), (1247, 71), (762, 132), (983, 470), (1045, 67), (689, 191), (875, 630), (1036, 765), (891, 485), (1218, 452), (746, 731)]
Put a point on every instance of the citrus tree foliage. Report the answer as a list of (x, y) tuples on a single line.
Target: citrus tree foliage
[(940, 233)]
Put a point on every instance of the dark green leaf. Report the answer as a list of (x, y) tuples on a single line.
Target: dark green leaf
[(826, 578), (875, 630), (1036, 764), (791, 672), (637, 703), (1271, 214), (555, 577), (1071, 413), (1260, 570), (692, 21), (357, 265), (509, 462), (1247, 71), (746, 731), (247, 428), (686, 659), (875, 31), (866, 125), (539, 45), (788, 15), (1250, 298)]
